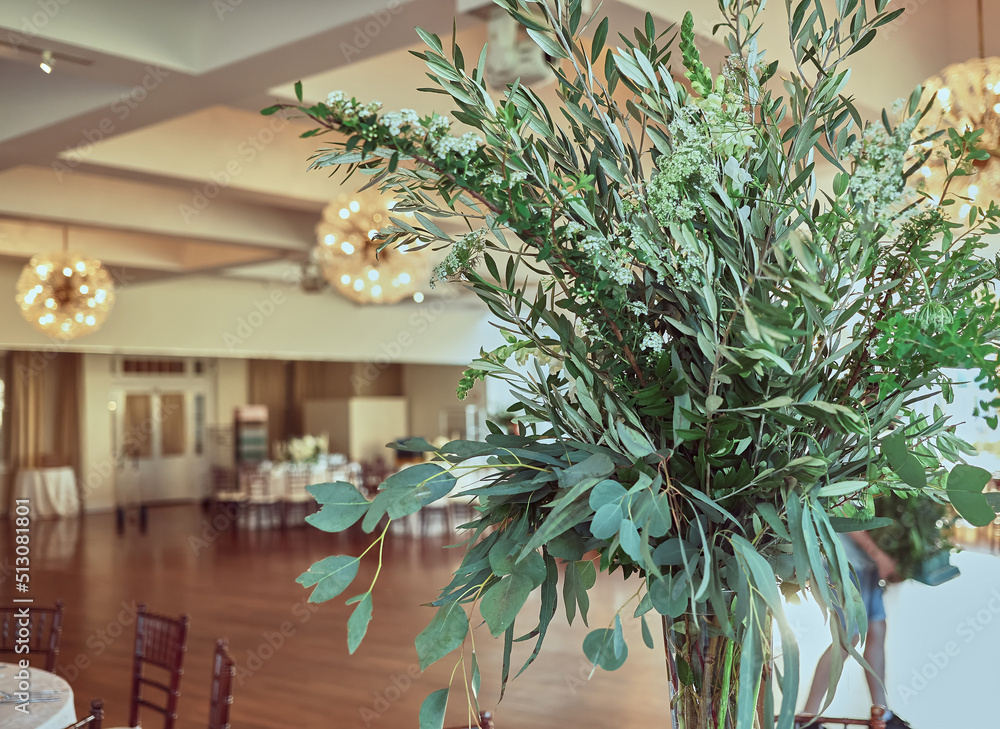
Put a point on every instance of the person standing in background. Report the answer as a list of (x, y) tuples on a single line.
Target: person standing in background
[(873, 568)]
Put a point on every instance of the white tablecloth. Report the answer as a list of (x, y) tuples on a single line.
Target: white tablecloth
[(39, 715), (52, 491)]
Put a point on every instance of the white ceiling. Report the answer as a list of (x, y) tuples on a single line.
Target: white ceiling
[(146, 139)]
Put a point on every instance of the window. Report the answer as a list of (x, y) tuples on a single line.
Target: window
[(172, 428)]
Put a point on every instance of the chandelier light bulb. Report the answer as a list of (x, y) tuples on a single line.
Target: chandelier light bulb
[(418, 297), (47, 62)]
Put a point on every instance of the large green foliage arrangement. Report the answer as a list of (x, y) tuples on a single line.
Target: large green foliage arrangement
[(726, 354)]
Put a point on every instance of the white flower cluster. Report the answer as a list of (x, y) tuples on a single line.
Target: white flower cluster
[(345, 107), (877, 181), (616, 262), (438, 125), (462, 146), (637, 308), (462, 256), (652, 342), (496, 179), (732, 132), (682, 177), (619, 268), (394, 121)]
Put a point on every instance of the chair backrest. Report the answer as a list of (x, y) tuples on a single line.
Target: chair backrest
[(222, 479), (373, 473), (96, 714), (296, 480), (160, 642), (92, 720), (44, 626), (223, 673)]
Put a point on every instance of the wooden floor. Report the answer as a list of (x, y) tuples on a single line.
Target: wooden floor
[(293, 665)]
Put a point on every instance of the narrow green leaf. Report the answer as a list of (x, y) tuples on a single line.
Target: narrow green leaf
[(647, 636), (476, 679), (357, 624), (635, 442), (597, 45), (842, 488), (547, 44)]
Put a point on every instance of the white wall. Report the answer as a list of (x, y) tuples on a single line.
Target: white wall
[(431, 389), (210, 316), (98, 462), (231, 389)]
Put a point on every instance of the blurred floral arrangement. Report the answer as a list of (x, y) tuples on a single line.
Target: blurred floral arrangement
[(306, 449)]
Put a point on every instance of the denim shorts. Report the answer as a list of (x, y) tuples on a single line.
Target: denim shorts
[(866, 579)]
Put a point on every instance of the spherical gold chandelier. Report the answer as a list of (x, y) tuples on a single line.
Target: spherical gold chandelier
[(966, 96), (64, 295), (348, 252)]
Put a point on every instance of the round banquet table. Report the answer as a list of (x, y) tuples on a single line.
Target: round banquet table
[(51, 491), (56, 714)]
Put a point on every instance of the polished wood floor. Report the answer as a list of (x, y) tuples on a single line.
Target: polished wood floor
[(294, 669)]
